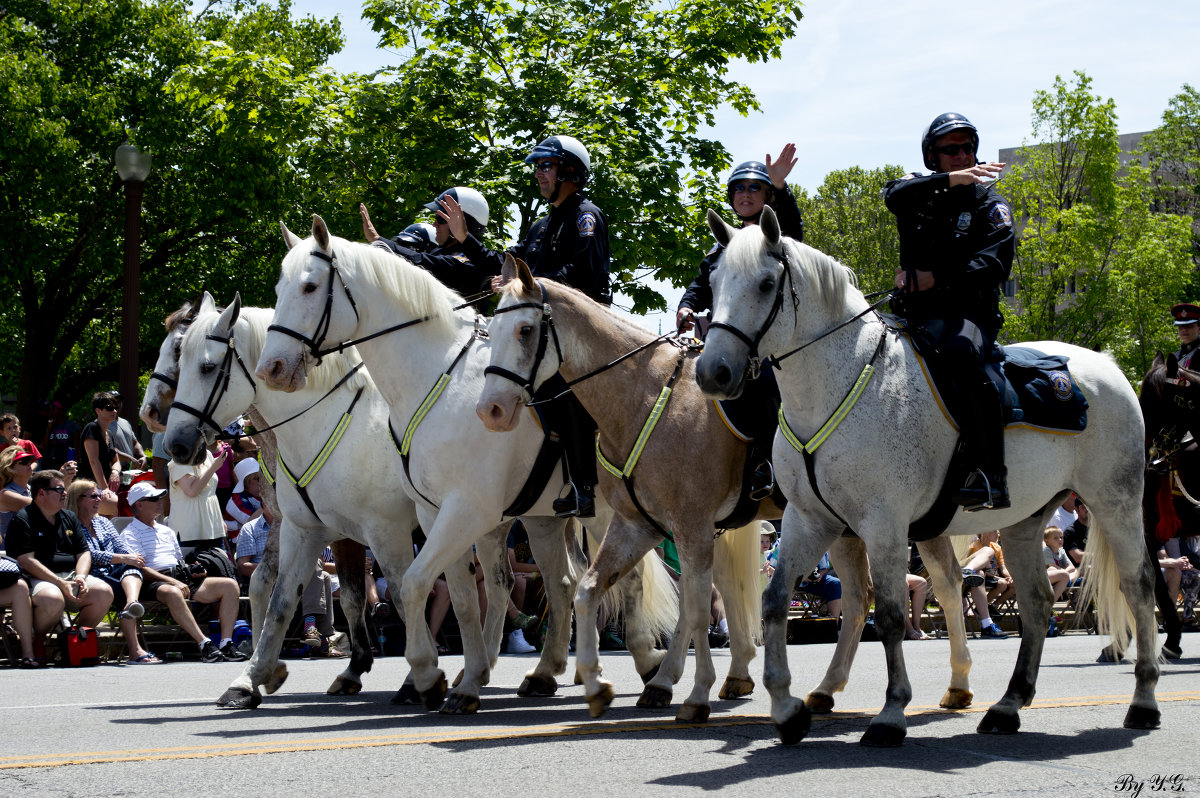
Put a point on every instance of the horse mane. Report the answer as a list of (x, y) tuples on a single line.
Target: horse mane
[(826, 277), (381, 271), (251, 331), (181, 317)]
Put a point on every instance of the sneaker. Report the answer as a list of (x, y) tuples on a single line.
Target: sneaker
[(972, 578), (529, 629), (717, 638), (311, 638), (210, 653), (517, 644), (993, 631), (231, 653), (135, 610)]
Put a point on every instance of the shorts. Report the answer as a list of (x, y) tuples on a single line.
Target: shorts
[(37, 586), (113, 575), (827, 588)]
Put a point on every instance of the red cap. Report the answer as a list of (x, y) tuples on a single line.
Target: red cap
[(1185, 313)]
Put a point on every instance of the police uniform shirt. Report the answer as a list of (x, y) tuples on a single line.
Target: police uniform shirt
[(698, 295), (55, 544), (963, 235), (449, 264), (1185, 354), (569, 245)]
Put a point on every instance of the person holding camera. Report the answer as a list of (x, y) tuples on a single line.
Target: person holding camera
[(167, 579)]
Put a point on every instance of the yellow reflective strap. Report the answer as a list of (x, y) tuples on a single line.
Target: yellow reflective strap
[(834, 421), (604, 463), (326, 450), (262, 466), (430, 400), (647, 428), (788, 435)]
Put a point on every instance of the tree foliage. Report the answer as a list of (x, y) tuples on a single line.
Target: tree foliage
[(1173, 152)]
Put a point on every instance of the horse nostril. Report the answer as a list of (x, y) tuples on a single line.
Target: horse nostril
[(723, 376)]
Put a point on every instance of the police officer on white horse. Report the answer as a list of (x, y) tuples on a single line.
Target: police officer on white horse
[(956, 249), (569, 245)]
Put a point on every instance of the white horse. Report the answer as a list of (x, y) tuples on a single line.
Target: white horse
[(882, 467), (462, 479)]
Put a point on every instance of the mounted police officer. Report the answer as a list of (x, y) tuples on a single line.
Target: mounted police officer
[(751, 186), (569, 245), (1187, 324), (434, 249), (956, 249)]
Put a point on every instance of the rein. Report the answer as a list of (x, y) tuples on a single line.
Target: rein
[(220, 385), (754, 362)]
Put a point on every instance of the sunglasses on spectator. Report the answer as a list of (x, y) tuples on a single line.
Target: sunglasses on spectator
[(748, 188), (95, 496), (106, 407), (953, 149), (60, 489), (544, 166)]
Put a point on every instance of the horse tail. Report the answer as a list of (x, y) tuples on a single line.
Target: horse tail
[(736, 568), (962, 547), (660, 596), (611, 603), (1102, 586)]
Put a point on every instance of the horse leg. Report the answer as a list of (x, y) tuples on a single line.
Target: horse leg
[(492, 552), (736, 557), (849, 558), (298, 550), (1024, 560), (800, 547), (350, 557), (547, 539), (623, 545), (463, 698), (888, 559), (944, 571), (262, 581)]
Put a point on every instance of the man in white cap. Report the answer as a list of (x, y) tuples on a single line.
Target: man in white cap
[(1187, 324), (169, 580)]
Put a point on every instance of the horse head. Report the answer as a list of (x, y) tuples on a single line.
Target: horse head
[(160, 390), (748, 287), (520, 335), (313, 308), (215, 386)]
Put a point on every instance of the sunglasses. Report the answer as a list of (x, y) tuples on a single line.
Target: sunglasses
[(747, 188), (59, 490), (544, 166), (953, 149), (106, 407), (95, 496)]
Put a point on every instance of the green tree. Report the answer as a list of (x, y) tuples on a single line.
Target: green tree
[(847, 219), (1173, 152), (634, 80), (77, 79)]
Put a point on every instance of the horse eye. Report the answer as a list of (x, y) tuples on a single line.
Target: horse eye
[(309, 288), (207, 368), (767, 285), (525, 330)]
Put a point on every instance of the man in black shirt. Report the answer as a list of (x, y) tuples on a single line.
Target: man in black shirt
[(47, 541)]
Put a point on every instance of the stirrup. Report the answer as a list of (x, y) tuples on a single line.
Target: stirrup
[(992, 499), (762, 492)]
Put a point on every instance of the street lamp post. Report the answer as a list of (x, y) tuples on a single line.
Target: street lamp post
[(133, 166)]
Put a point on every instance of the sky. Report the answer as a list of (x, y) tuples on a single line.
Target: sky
[(860, 81)]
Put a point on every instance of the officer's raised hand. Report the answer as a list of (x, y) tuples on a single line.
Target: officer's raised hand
[(781, 167), (979, 173), (368, 228), (451, 213)]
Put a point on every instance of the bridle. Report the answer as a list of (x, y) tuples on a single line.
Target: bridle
[(754, 361), (220, 384), (546, 331), (315, 343)]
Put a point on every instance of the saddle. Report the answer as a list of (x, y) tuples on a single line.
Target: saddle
[(1036, 391), (751, 417)]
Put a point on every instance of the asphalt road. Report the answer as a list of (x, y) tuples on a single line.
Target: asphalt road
[(125, 730)]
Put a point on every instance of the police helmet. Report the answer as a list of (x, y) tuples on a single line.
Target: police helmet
[(574, 161), (421, 236), (943, 124), (474, 207), (747, 170)]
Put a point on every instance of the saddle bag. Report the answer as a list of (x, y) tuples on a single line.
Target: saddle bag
[(79, 646)]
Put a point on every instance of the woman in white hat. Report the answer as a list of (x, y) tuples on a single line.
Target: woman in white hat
[(245, 504)]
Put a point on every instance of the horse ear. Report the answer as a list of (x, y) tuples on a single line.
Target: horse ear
[(1172, 366), (206, 305), (229, 316), (509, 270), (320, 232), (289, 238), (769, 223), (719, 227), (527, 281), (1159, 360)]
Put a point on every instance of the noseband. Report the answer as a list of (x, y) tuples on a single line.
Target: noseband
[(754, 362), (315, 343), (220, 384), (546, 331)]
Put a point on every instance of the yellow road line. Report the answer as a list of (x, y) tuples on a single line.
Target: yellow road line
[(467, 735)]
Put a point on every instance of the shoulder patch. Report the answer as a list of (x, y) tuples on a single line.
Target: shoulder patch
[(586, 223), (1000, 215), (461, 258)]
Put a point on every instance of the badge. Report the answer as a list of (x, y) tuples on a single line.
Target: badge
[(1000, 215), (586, 224), (964, 220), (1061, 382)]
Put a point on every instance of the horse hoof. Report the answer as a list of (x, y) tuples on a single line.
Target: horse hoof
[(879, 735), (239, 698), (343, 686), (460, 704), (795, 728), (538, 685), (819, 703), (407, 695), (1110, 654), (693, 713), (736, 687), (599, 703), (458, 679), (654, 698), (1141, 718), (435, 695), (1172, 651), (999, 723), (648, 675), (956, 698), (578, 677), (277, 678)]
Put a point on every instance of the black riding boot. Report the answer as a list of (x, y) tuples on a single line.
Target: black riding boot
[(986, 488), (579, 448)]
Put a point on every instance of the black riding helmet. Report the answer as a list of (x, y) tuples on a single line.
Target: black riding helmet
[(749, 170), (943, 124), (421, 236)]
